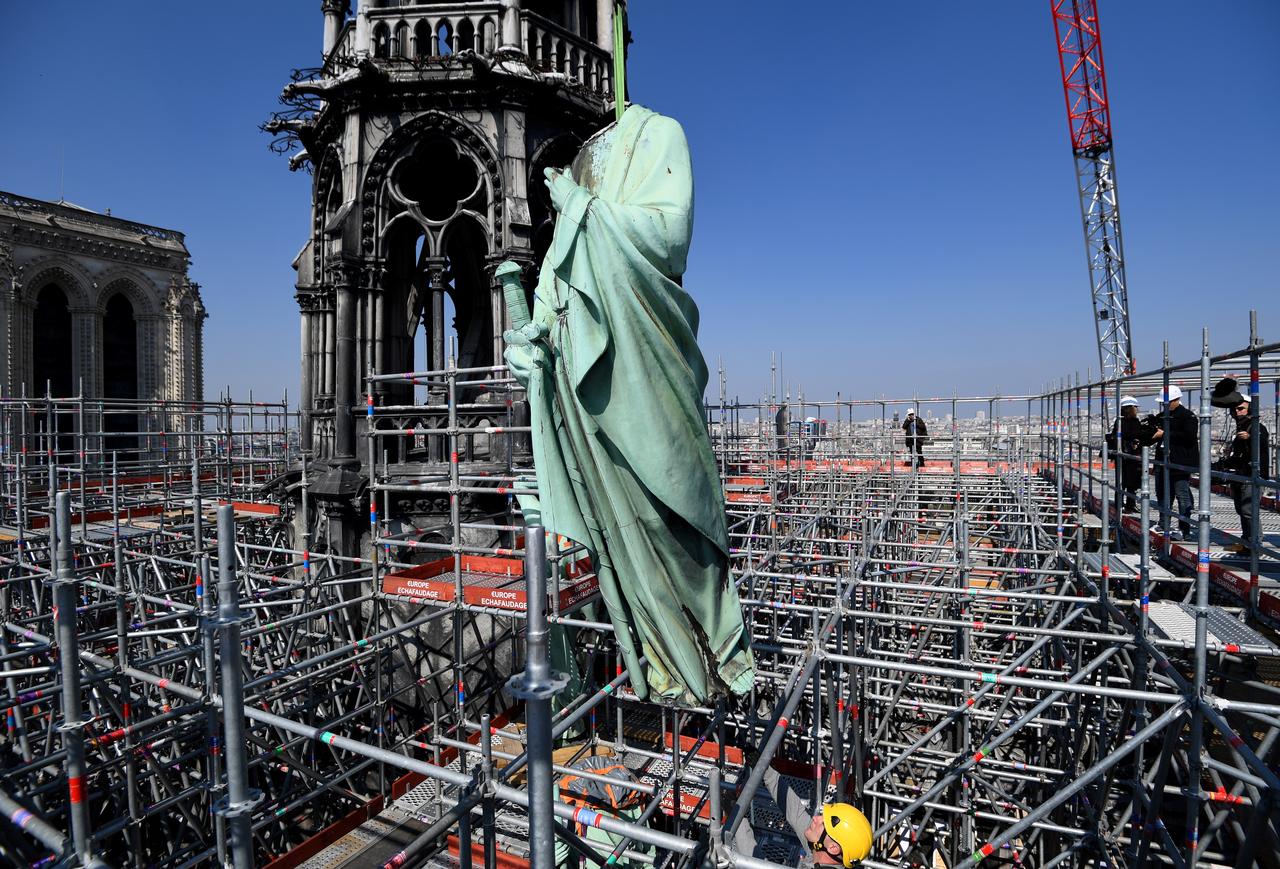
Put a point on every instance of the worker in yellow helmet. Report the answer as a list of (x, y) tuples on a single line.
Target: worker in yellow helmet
[(838, 835)]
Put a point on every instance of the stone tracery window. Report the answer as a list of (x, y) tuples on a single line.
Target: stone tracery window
[(439, 197), (438, 179)]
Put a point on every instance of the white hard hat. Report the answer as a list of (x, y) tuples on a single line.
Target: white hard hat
[(1173, 393), (910, 412), (1128, 401), (1244, 399)]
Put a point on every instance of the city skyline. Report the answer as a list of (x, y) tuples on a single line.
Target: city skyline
[(912, 240)]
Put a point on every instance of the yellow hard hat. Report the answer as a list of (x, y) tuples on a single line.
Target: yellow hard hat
[(850, 829)]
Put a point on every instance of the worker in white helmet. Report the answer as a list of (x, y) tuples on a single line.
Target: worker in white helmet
[(916, 432), (1179, 429), (1125, 438)]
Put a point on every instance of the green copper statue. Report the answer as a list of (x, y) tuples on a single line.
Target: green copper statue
[(615, 382)]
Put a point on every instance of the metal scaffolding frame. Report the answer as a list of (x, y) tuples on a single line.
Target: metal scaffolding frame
[(984, 653)]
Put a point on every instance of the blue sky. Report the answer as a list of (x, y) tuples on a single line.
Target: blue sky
[(885, 193)]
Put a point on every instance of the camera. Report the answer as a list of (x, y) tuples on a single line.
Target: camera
[(1148, 427)]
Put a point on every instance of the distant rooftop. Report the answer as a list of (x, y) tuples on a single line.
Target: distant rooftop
[(63, 213)]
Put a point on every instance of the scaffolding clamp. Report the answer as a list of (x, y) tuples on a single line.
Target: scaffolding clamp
[(227, 809), (72, 726), (218, 622), (485, 782), (524, 688)]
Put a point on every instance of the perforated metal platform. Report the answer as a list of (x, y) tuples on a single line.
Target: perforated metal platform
[(370, 844), (1177, 621), (443, 860), (774, 838), (1120, 568), (1226, 521), (423, 803), (1155, 571)]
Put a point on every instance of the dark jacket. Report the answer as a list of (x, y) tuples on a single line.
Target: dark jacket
[(1130, 442), (920, 432), (1130, 435), (1183, 433), (1239, 458)]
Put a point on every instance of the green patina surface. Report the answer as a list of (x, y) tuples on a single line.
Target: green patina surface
[(615, 380)]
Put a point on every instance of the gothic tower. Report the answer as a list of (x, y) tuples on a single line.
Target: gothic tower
[(427, 130)]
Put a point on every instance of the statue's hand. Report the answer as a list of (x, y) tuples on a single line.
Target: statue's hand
[(561, 185), (526, 351)]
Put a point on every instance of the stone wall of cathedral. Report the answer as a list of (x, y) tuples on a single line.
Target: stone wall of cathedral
[(97, 306)]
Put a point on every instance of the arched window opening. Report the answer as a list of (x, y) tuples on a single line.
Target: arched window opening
[(559, 153), (488, 36), (330, 242), (420, 326), (466, 35), (422, 40), (51, 343), (120, 373), (542, 241), (119, 349), (575, 65), (544, 52), (444, 39), (450, 323), (333, 199), (466, 248), (400, 45), (405, 298), (51, 356), (381, 41)]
